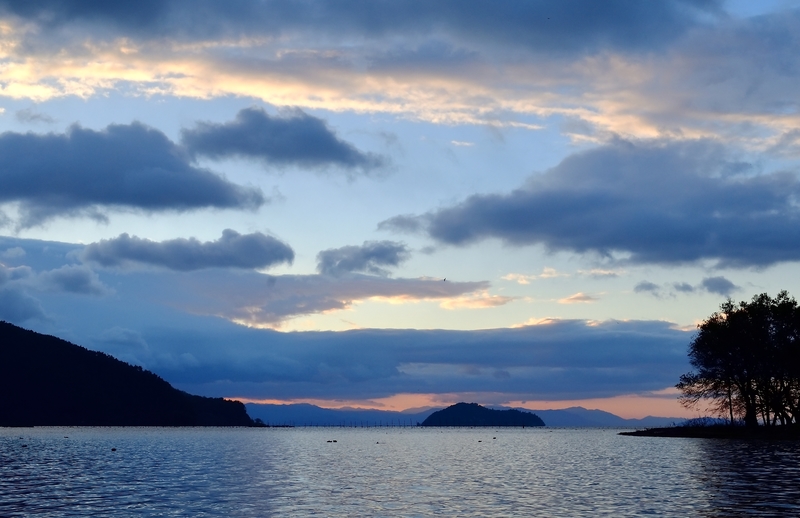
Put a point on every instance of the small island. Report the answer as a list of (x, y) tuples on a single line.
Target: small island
[(46, 381), (473, 414)]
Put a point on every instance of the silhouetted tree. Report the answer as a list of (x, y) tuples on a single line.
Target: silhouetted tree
[(747, 361)]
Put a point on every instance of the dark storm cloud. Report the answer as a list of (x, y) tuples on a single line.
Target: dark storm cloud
[(567, 359), (656, 202), (371, 257), (123, 166), (232, 250), (295, 138), (540, 25)]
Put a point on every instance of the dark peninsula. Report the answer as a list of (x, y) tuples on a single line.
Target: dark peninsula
[(473, 414), (721, 431), (46, 381)]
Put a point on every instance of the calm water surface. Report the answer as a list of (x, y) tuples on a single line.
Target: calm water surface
[(390, 472)]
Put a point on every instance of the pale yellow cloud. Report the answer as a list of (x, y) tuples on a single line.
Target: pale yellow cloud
[(476, 301), (519, 278), (547, 273), (533, 321), (578, 298)]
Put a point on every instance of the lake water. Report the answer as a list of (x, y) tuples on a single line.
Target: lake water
[(390, 472)]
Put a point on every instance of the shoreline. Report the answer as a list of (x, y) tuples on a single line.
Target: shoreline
[(790, 432)]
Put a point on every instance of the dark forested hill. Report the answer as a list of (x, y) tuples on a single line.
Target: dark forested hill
[(472, 414), (46, 381)]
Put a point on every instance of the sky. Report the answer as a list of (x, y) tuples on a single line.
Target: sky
[(398, 204)]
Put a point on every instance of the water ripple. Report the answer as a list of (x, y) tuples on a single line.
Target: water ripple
[(389, 472)]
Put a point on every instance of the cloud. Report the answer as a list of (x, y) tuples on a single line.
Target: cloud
[(646, 287), (716, 285), (665, 69), (600, 273), (547, 273), (471, 61), (519, 278), (260, 300), (560, 359), (30, 116), (13, 253), (124, 344), (719, 286), (654, 202), (11, 274), (55, 12), (75, 279), (295, 138), (17, 307), (578, 298), (572, 25), (232, 250), (123, 166), (371, 257), (214, 279), (72, 279), (477, 301), (683, 287)]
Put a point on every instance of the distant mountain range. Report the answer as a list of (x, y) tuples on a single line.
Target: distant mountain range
[(303, 414)]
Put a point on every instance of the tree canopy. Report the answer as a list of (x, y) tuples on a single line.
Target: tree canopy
[(746, 358)]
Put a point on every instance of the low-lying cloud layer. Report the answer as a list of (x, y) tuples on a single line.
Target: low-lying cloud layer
[(562, 359), (17, 285), (656, 202), (83, 172), (232, 250), (295, 138)]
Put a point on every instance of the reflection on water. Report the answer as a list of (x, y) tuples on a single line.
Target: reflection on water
[(757, 478), (389, 472)]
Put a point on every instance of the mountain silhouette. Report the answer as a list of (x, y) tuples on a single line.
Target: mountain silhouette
[(46, 381), (473, 414)]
